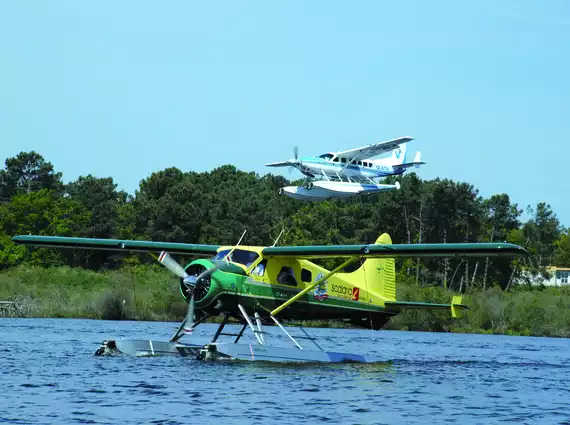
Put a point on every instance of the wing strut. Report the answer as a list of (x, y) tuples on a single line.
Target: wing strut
[(352, 160), (314, 285)]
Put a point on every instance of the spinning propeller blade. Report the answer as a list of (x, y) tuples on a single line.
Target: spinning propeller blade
[(290, 162), (171, 264), (189, 318), (190, 313), (295, 161)]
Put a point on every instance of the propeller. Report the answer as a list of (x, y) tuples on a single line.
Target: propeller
[(190, 281), (295, 162), (296, 156)]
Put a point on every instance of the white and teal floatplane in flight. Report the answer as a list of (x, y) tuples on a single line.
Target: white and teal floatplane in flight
[(348, 173)]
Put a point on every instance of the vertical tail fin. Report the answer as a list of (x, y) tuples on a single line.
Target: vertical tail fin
[(399, 155), (379, 274)]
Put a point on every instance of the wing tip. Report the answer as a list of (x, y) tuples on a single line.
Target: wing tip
[(21, 238)]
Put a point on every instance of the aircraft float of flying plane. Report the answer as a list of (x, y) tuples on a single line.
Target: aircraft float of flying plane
[(348, 173), (256, 285)]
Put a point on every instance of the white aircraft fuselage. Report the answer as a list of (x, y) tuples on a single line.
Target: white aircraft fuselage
[(349, 173), (372, 169)]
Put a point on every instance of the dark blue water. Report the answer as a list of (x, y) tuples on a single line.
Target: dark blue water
[(49, 376)]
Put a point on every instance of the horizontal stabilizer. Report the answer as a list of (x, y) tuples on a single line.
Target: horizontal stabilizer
[(415, 163), (278, 164), (454, 307)]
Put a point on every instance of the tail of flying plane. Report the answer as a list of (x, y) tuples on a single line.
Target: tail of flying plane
[(398, 155), (415, 163)]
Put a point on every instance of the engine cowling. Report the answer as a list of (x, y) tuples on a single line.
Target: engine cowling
[(203, 286)]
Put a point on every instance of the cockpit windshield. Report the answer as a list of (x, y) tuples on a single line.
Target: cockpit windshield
[(327, 156), (239, 256)]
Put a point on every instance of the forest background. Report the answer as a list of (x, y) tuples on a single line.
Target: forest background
[(216, 207)]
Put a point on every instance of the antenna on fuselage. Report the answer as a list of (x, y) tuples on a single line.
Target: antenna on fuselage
[(277, 238), (235, 246), (242, 235)]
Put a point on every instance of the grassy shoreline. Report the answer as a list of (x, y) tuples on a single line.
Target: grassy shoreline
[(151, 293)]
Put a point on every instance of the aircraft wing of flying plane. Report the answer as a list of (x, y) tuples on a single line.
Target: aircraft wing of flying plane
[(373, 150)]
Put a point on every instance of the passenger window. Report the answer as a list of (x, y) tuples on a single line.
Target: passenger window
[(360, 163), (286, 276), (306, 275), (343, 160)]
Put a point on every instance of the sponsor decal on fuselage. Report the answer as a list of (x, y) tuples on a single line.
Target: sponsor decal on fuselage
[(355, 293), (348, 292), (321, 290)]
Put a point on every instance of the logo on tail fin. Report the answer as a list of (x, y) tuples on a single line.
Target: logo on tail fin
[(399, 155)]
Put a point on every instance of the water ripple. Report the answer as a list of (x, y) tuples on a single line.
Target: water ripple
[(420, 378)]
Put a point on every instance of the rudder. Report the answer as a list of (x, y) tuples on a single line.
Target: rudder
[(380, 273)]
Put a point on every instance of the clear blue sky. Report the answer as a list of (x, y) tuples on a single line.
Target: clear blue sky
[(125, 88)]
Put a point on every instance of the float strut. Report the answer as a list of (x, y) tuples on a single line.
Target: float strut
[(248, 320)]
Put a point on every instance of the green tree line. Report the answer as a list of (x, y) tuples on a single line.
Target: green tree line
[(215, 207)]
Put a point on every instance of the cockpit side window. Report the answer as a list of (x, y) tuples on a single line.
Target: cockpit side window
[(220, 255), (240, 256)]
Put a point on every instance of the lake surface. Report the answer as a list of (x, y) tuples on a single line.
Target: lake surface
[(49, 375)]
